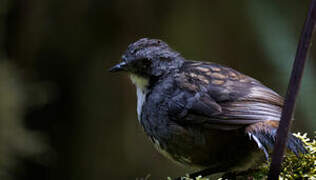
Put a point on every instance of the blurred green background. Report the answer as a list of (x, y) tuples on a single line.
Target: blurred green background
[(63, 116)]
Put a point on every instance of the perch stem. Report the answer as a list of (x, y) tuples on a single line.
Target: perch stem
[(292, 91)]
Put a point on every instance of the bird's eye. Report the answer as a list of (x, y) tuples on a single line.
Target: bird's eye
[(146, 61)]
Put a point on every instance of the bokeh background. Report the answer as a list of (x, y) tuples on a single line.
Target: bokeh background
[(63, 116)]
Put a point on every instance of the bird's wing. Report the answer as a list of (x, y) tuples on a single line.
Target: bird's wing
[(220, 97)]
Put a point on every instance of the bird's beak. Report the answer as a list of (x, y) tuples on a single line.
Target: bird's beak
[(119, 67)]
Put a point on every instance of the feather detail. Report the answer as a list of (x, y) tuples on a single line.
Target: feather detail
[(264, 134)]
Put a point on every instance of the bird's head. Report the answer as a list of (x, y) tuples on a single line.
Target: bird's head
[(149, 58)]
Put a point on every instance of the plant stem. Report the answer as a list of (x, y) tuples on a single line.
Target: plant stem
[(292, 91)]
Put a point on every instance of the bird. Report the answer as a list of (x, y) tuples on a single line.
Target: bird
[(202, 114)]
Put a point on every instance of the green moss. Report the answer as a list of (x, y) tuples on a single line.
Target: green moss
[(302, 167), (294, 167)]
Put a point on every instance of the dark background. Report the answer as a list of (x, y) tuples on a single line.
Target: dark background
[(63, 116)]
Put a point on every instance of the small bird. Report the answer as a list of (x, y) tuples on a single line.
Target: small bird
[(202, 114)]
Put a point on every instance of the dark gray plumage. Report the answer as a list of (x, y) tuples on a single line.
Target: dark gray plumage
[(202, 114)]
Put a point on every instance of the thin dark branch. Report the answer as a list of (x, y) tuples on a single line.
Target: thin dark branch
[(292, 91)]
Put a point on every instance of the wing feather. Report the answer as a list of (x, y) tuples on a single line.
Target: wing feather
[(222, 98)]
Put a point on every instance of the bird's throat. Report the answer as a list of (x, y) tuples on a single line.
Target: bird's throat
[(141, 84), (139, 81)]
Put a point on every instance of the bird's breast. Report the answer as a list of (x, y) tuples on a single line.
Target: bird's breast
[(141, 84), (141, 98)]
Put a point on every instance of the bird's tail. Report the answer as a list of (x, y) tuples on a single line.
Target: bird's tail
[(264, 134)]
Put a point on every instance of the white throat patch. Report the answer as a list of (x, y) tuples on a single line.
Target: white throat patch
[(141, 84)]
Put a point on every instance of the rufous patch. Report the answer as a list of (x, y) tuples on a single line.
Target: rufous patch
[(215, 69), (218, 75), (217, 82), (244, 80), (233, 75), (203, 69), (203, 78)]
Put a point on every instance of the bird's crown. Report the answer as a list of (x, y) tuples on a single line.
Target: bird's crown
[(149, 57)]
